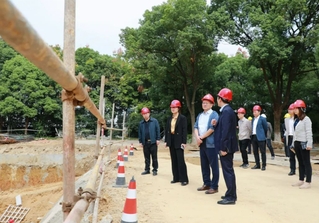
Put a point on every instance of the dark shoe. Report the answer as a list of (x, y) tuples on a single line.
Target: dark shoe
[(223, 197), (204, 187), (242, 165), (255, 167), (245, 166), (145, 172), (291, 173), (263, 168), (173, 181), (211, 191), (184, 183), (154, 173), (226, 202)]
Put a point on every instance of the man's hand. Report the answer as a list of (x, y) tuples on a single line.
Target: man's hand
[(157, 142), (214, 122), (222, 153)]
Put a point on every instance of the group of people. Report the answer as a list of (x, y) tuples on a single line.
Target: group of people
[(298, 139), (216, 134)]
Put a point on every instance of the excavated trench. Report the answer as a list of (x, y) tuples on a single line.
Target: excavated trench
[(34, 163)]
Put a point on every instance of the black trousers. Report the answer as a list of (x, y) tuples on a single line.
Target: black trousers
[(150, 150), (303, 157), (261, 145), (243, 146), (179, 169), (229, 176), (292, 155)]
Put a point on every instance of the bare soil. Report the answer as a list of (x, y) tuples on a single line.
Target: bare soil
[(264, 196)]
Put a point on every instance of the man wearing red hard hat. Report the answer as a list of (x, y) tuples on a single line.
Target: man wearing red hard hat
[(244, 133), (259, 136), (208, 154), (149, 137), (289, 133), (226, 143)]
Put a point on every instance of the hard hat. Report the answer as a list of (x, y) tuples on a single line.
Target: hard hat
[(250, 118), (176, 104), (256, 108), (208, 97), (299, 104), (145, 111), (241, 110), (11, 221), (291, 106), (287, 115), (263, 115), (226, 94)]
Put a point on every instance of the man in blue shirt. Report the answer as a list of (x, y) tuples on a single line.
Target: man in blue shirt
[(149, 138), (205, 140), (259, 136)]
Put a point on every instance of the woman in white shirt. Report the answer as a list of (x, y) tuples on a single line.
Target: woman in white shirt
[(302, 144)]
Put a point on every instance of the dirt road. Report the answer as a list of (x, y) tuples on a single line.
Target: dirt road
[(263, 196)]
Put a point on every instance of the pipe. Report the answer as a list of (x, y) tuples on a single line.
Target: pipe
[(81, 206), (18, 33), (98, 194)]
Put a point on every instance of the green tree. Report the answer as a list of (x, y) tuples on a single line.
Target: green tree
[(120, 86), (27, 93), (280, 36), (172, 48)]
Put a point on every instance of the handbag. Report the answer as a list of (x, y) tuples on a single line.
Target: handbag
[(303, 145)]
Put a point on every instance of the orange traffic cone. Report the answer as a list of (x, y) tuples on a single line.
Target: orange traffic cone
[(131, 150), (125, 154), (120, 180), (129, 212), (119, 154)]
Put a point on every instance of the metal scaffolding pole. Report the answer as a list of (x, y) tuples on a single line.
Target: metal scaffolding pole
[(68, 111)]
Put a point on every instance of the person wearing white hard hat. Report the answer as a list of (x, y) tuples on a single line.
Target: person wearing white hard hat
[(268, 139)]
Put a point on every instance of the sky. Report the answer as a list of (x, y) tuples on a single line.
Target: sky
[(98, 22)]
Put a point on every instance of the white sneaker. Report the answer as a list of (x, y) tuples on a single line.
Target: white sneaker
[(305, 186), (298, 184)]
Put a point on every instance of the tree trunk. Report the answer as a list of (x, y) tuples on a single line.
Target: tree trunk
[(26, 126)]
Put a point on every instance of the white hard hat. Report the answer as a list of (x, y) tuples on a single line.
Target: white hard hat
[(263, 115)]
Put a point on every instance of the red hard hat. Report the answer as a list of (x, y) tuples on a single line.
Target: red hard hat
[(226, 94), (208, 97), (291, 106), (145, 110), (299, 104), (11, 221), (176, 104), (256, 108), (241, 110)]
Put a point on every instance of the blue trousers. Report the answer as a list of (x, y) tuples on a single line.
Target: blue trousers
[(209, 161)]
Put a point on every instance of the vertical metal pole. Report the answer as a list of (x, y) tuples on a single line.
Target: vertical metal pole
[(112, 121), (123, 127), (98, 126), (68, 110)]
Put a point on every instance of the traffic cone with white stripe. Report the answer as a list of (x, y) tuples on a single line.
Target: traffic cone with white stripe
[(120, 180), (119, 154), (131, 150), (129, 212), (125, 154)]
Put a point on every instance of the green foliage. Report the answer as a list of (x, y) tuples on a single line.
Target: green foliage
[(280, 36), (172, 52)]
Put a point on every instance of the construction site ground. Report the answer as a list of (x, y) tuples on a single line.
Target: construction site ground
[(263, 196)]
